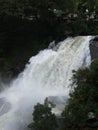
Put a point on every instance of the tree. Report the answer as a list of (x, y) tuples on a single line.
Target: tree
[(83, 96), (43, 118)]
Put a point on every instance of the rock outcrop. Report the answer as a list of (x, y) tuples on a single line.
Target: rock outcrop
[(94, 48)]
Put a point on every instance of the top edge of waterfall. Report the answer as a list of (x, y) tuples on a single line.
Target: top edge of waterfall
[(48, 74), (55, 47)]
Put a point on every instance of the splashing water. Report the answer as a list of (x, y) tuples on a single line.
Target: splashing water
[(47, 74)]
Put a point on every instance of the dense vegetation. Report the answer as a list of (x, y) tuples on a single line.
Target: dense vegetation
[(83, 98), (43, 118), (28, 26), (81, 110)]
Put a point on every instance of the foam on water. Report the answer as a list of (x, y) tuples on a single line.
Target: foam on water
[(46, 75)]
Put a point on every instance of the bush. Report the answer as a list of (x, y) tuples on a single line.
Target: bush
[(43, 118), (83, 98)]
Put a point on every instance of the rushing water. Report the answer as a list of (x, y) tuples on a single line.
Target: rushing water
[(46, 74)]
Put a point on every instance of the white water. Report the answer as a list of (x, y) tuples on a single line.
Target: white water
[(47, 74)]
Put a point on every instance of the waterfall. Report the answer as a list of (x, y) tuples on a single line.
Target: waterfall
[(47, 74)]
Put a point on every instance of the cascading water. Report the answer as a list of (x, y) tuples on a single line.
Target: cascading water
[(47, 74)]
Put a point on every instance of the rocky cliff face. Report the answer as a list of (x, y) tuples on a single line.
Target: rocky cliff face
[(94, 48)]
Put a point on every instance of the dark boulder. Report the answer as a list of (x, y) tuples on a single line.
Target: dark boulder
[(94, 48)]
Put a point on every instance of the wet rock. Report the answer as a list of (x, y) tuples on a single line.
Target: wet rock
[(94, 48), (51, 45), (58, 103)]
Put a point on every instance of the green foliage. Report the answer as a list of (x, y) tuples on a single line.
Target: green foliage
[(28, 26), (52, 13), (42, 8), (43, 118), (83, 97), (80, 26)]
